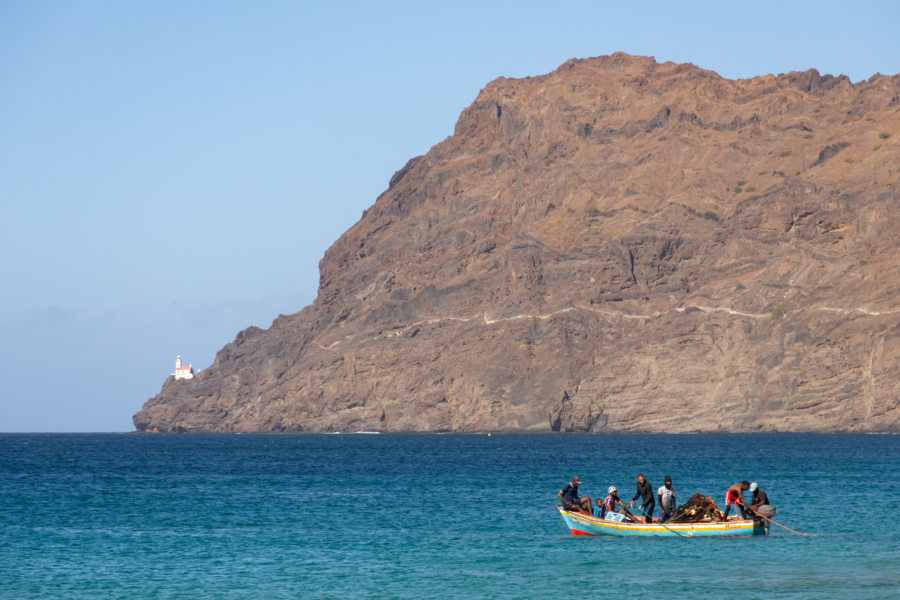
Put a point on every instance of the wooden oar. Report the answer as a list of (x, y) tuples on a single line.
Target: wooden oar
[(625, 509), (633, 518), (659, 523), (771, 521)]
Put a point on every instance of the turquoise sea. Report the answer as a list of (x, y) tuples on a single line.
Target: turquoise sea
[(432, 516)]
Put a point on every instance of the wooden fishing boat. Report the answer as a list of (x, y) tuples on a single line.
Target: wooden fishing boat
[(581, 524)]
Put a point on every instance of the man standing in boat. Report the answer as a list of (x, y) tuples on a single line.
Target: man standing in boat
[(734, 495), (666, 497), (570, 500), (645, 493)]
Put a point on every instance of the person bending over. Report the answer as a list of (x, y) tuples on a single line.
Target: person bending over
[(734, 495)]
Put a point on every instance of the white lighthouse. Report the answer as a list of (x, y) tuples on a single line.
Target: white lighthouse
[(183, 372)]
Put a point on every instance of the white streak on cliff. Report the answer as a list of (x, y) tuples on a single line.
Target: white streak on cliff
[(605, 313)]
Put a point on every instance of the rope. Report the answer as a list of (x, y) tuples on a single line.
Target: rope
[(660, 523), (779, 524)]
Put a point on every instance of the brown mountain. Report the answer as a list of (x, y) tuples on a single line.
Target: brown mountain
[(619, 245)]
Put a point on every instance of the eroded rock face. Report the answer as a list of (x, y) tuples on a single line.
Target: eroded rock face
[(619, 245)]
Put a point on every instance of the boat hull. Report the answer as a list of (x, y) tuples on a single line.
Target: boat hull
[(580, 524)]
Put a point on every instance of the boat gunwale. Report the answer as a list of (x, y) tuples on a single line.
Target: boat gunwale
[(729, 527)]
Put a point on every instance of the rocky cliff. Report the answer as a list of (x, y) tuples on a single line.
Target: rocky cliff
[(619, 245)]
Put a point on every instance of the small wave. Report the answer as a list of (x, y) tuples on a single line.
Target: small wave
[(368, 432)]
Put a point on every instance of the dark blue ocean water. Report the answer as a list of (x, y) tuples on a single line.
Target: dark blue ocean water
[(439, 516)]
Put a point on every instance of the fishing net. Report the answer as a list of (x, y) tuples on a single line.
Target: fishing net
[(698, 508)]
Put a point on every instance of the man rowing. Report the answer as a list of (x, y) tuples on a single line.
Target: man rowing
[(609, 505)]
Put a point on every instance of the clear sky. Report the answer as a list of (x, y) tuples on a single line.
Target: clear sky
[(172, 172)]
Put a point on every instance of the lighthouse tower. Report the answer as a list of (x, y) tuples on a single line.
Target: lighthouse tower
[(183, 372)]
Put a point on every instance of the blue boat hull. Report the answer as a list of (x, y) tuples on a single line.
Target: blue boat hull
[(581, 524)]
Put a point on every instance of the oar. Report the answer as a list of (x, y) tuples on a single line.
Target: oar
[(771, 521), (633, 518), (658, 522), (625, 508)]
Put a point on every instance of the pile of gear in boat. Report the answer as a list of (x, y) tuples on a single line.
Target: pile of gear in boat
[(698, 508)]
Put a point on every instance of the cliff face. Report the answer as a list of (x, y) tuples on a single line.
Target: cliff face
[(619, 245)]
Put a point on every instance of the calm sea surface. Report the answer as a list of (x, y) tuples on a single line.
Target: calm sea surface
[(440, 516)]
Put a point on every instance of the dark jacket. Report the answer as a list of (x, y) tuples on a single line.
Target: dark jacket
[(570, 493), (644, 492)]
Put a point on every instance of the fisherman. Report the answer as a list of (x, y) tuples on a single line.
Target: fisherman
[(645, 493), (666, 496), (609, 504), (570, 500), (734, 495), (759, 497)]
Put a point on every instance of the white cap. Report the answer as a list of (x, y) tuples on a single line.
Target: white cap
[(611, 489), (753, 486)]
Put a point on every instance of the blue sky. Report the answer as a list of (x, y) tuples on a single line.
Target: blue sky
[(172, 172)]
